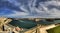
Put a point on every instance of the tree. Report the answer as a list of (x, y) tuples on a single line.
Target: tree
[(4, 21)]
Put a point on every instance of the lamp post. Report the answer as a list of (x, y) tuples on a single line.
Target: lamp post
[(38, 25)]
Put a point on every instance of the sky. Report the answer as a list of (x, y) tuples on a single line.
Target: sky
[(30, 8)]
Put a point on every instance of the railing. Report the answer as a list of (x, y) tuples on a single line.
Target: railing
[(4, 31), (10, 25)]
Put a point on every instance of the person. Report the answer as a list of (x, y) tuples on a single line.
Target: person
[(13, 32), (3, 28), (18, 29)]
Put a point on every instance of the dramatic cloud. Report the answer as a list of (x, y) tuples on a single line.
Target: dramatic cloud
[(52, 8), (31, 8), (16, 13)]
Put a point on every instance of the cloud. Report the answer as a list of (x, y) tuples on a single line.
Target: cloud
[(44, 9), (17, 13)]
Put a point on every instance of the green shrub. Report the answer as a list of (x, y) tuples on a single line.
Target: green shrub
[(54, 30)]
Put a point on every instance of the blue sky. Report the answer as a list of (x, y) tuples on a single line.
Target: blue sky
[(30, 8)]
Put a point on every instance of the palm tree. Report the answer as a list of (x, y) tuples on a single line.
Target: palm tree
[(4, 21)]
